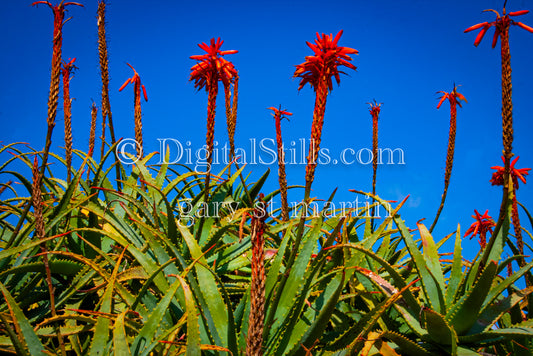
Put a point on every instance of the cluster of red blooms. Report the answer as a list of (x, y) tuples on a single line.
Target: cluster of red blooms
[(211, 67), (502, 23), (328, 56)]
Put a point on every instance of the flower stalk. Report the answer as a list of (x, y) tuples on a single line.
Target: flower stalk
[(231, 113), (278, 116), (104, 73), (254, 339), (40, 234), (53, 96), (502, 24), (67, 70), (92, 132), (137, 85), (375, 109), (211, 68), (318, 70), (454, 98)]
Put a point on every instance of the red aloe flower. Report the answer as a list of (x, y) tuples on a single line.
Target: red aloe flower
[(278, 116), (210, 69), (483, 224), (454, 98), (502, 24), (317, 70), (516, 174), (136, 81)]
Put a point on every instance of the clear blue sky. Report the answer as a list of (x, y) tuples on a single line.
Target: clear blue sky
[(409, 50)]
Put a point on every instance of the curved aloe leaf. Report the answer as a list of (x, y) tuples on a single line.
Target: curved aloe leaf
[(31, 340), (439, 330), (216, 312), (101, 331), (120, 342), (193, 333), (464, 314), (151, 327), (406, 345)]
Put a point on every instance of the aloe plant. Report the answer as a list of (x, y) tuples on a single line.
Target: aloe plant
[(165, 263), (450, 307)]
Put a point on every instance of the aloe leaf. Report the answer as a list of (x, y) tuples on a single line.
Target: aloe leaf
[(31, 340), (216, 309), (67, 196), (152, 325), (12, 338), (431, 288), (439, 330), (98, 170), (506, 283), (294, 284), (406, 345), (64, 267), (463, 351), (352, 336), (272, 280), (464, 314), (493, 312), (431, 256), (490, 336), (496, 243), (101, 331), (148, 282), (120, 342), (27, 184), (18, 249), (398, 279), (256, 188), (318, 326), (456, 273), (193, 333)]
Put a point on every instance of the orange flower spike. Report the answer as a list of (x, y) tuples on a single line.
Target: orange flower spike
[(375, 108), (282, 114), (136, 81), (206, 73), (317, 70), (58, 10), (69, 64), (60, 6), (68, 67), (212, 66), (328, 56), (454, 97)]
